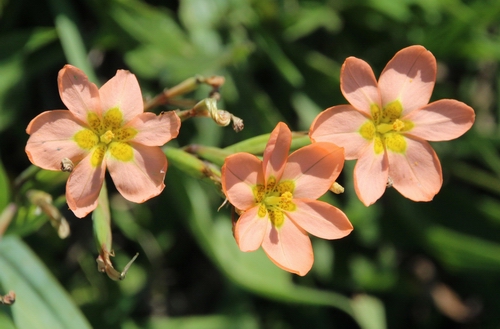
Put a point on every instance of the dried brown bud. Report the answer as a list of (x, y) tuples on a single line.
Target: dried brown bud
[(8, 299), (67, 165), (237, 124), (222, 118), (215, 81), (44, 201), (390, 182)]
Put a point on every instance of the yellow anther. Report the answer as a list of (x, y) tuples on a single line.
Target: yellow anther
[(107, 137), (398, 125)]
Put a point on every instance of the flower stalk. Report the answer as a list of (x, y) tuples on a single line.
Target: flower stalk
[(102, 232), (185, 87), (208, 108)]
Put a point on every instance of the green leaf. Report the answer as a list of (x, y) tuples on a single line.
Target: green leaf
[(397, 10), (462, 251), (4, 187), (195, 322), (310, 18), (40, 301), (17, 49), (71, 40), (305, 109), (6, 322), (284, 65)]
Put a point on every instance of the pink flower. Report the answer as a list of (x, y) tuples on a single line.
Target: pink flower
[(388, 124), (277, 198), (104, 127)]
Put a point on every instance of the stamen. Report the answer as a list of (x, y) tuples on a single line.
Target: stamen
[(398, 125), (107, 137)]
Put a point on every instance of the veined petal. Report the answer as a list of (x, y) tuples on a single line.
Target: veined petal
[(441, 120), (239, 174), (409, 77), (370, 176), (122, 91), (359, 85), (276, 152), (78, 93), (417, 174), (340, 125), (320, 219), (51, 139), (289, 248), (83, 186), (314, 168), (155, 130), (250, 229), (141, 178)]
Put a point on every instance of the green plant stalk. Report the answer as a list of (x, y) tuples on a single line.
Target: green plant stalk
[(194, 167), (257, 145), (101, 219)]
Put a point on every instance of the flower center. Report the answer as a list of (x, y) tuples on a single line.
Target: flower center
[(386, 128), (106, 134), (107, 137), (275, 199)]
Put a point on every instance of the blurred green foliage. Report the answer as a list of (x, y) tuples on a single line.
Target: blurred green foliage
[(406, 265)]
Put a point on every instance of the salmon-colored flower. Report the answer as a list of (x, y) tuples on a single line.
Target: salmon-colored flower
[(277, 198), (387, 125), (104, 127)]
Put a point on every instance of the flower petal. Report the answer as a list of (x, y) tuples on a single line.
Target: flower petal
[(441, 120), (370, 176), (51, 139), (314, 168), (141, 178), (359, 85), (239, 174), (155, 130), (122, 91), (250, 230), (78, 93), (340, 125), (417, 174), (409, 77), (289, 247), (276, 152), (83, 186), (320, 219)]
